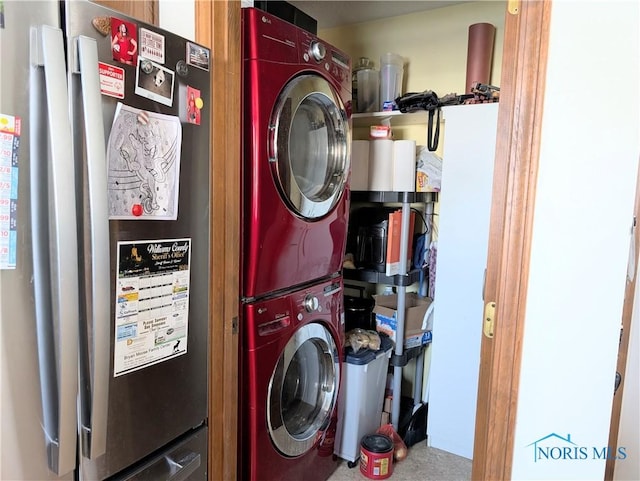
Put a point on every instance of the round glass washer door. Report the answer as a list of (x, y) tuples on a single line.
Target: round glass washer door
[(309, 146), (303, 390)]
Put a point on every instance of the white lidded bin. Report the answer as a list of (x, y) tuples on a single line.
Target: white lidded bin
[(361, 398)]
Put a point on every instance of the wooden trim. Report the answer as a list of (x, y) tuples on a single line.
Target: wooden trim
[(517, 151), (147, 10), (218, 27), (627, 315)]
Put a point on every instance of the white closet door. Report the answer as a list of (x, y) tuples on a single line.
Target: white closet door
[(463, 231)]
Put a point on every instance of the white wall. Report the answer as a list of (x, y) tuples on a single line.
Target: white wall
[(580, 244), (629, 435), (178, 16)]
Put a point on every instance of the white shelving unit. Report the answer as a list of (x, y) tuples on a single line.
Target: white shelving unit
[(401, 281), (400, 358)]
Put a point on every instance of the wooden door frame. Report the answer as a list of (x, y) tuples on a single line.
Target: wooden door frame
[(514, 186), (623, 350), (218, 27), (517, 152)]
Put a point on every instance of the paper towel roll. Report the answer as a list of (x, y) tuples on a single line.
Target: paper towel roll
[(360, 165), (404, 166), (381, 165)]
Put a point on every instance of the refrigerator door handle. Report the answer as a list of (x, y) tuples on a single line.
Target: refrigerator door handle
[(95, 434), (55, 253)]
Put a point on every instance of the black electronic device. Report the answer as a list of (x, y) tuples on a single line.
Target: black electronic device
[(289, 13), (367, 237)]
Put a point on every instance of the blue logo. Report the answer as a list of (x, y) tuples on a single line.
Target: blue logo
[(554, 447)]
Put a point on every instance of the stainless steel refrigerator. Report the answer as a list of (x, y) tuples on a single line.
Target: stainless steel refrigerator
[(104, 246)]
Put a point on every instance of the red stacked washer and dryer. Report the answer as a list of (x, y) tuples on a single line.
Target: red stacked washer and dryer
[(296, 157)]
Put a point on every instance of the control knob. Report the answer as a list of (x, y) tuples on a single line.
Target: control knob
[(317, 51), (311, 303)]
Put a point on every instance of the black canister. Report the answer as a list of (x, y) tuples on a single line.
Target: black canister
[(358, 313)]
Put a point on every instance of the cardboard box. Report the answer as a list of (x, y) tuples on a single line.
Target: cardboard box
[(428, 170), (385, 310), (385, 418), (386, 406)]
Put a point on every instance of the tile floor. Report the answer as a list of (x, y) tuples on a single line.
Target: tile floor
[(422, 464)]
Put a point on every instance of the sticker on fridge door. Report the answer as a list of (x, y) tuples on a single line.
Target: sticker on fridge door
[(143, 158), (102, 25), (124, 41), (154, 82), (111, 80), (152, 303), (151, 45), (194, 105), (9, 143), (198, 56)]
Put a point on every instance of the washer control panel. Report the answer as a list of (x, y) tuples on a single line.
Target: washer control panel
[(311, 303), (277, 316)]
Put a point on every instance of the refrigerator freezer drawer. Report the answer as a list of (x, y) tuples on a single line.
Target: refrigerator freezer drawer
[(184, 460)]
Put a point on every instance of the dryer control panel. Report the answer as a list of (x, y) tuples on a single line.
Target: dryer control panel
[(267, 37), (314, 51)]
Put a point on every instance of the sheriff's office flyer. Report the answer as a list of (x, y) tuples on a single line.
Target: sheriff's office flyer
[(152, 303)]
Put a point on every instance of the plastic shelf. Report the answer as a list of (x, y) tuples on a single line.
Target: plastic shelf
[(375, 277), (394, 117), (408, 354), (391, 197)]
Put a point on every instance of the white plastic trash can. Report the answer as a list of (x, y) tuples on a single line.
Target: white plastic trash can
[(361, 397)]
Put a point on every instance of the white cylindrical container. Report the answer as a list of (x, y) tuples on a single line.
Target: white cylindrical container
[(381, 165), (368, 90), (391, 73), (363, 63), (360, 165), (404, 166)]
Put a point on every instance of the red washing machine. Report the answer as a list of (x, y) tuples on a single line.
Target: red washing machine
[(291, 366), (296, 150)]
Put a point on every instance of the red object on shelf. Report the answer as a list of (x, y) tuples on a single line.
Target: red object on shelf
[(393, 242)]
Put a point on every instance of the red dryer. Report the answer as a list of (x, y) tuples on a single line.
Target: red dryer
[(291, 364), (296, 156)]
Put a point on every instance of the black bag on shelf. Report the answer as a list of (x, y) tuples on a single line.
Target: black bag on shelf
[(427, 100)]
